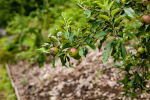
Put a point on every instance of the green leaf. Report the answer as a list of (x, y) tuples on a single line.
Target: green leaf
[(63, 22), (137, 78), (69, 23), (88, 13), (66, 45), (130, 94), (105, 17), (109, 6), (85, 51), (45, 44), (81, 52), (91, 45), (100, 34), (71, 36), (123, 51), (131, 82), (64, 35), (118, 19), (148, 46), (132, 35), (51, 39), (134, 94), (95, 25), (66, 28), (62, 60), (127, 67), (119, 65), (64, 41), (105, 2), (84, 30), (129, 11), (53, 61), (101, 42), (120, 71), (148, 29), (107, 51), (63, 14), (70, 65), (101, 5), (47, 51), (142, 30), (148, 77), (41, 49), (113, 12)]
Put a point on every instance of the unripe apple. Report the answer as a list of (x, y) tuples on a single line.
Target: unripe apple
[(54, 50), (145, 19), (73, 52), (141, 50)]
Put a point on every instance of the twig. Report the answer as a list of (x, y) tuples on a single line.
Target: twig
[(100, 11), (84, 40), (82, 6), (13, 85)]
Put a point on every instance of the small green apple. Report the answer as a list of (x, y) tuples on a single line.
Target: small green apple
[(141, 50), (54, 50)]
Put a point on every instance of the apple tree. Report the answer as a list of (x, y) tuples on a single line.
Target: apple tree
[(124, 21)]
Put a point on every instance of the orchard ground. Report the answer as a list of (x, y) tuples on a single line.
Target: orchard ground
[(89, 80)]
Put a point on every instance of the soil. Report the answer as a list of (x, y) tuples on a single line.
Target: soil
[(83, 82)]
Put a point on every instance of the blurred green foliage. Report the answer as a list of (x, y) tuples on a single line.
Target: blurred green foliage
[(27, 23), (9, 8), (32, 21)]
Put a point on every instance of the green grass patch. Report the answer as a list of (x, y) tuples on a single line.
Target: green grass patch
[(6, 89)]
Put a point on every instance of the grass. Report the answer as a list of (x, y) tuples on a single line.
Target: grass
[(6, 89)]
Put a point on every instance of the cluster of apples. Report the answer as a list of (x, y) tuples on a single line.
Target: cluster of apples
[(73, 52), (145, 20)]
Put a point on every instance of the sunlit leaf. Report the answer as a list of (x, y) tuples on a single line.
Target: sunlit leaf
[(113, 12), (110, 4), (71, 36), (132, 35), (104, 17), (91, 45), (88, 13), (129, 11), (81, 52)]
